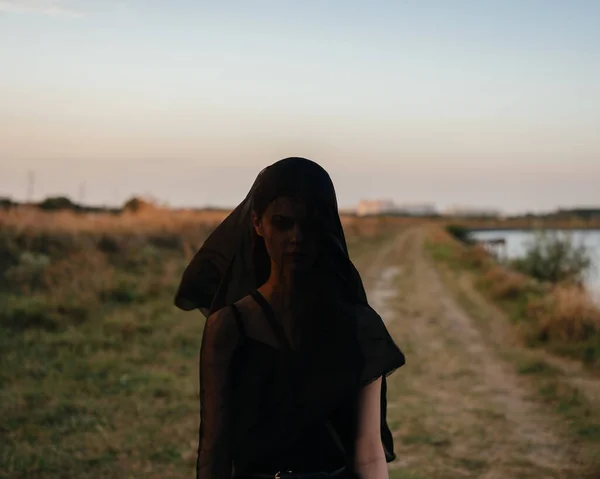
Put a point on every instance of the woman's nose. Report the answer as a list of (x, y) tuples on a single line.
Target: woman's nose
[(297, 233)]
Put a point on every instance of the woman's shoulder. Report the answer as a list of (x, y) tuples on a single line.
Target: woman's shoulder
[(232, 318), (221, 326), (251, 321)]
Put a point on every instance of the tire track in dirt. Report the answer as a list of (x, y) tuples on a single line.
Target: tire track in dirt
[(457, 408)]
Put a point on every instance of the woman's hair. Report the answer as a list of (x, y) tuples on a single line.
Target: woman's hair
[(302, 180), (312, 292), (261, 259)]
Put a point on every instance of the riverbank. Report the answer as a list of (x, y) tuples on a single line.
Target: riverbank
[(561, 318), (510, 245), (566, 387)]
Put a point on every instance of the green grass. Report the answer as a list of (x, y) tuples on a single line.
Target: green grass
[(404, 474), (443, 252), (99, 372), (536, 367), (114, 396), (98, 369), (571, 405)]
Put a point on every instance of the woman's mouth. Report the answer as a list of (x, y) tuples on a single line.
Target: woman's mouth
[(297, 255)]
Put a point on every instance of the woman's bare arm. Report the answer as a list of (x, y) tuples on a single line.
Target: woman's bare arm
[(220, 338), (370, 457)]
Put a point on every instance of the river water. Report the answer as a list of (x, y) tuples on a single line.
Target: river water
[(517, 242)]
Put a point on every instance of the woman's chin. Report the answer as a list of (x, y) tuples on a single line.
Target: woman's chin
[(300, 267)]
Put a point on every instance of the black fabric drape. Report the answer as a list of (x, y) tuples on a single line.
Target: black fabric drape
[(359, 349)]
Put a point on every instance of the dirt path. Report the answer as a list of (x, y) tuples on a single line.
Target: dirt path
[(501, 333), (457, 408)]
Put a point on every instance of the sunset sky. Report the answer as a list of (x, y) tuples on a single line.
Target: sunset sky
[(482, 103)]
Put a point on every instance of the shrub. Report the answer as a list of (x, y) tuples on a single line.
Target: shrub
[(40, 312), (58, 203), (505, 284), (28, 274), (136, 205), (6, 203), (460, 233), (554, 258), (122, 292), (166, 241), (510, 288), (10, 253), (108, 244)]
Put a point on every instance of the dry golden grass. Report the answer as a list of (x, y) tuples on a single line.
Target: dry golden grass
[(504, 283), (144, 221), (59, 266), (151, 219), (566, 314)]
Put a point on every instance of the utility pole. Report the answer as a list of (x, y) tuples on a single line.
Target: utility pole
[(30, 186)]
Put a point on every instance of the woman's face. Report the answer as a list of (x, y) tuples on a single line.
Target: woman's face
[(287, 231)]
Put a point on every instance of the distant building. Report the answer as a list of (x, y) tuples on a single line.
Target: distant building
[(471, 212), (385, 206), (424, 209), (375, 207)]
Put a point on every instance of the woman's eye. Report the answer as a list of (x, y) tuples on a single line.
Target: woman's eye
[(282, 222)]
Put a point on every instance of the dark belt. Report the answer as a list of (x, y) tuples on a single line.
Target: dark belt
[(293, 475)]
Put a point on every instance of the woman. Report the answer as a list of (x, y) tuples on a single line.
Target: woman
[(293, 359)]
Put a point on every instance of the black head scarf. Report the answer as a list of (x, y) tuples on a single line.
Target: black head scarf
[(231, 264)]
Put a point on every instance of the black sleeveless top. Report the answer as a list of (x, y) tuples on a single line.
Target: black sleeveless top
[(266, 407), (264, 370)]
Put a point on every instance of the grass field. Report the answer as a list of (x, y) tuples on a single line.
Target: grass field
[(98, 370)]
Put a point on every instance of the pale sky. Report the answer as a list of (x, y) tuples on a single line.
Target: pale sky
[(483, 103)]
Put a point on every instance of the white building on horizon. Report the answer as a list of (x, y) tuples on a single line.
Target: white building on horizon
[(387, 206), (472, 212), (375, 207), (417, 209)]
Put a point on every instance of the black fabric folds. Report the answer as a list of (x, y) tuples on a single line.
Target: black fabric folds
[(250, 409)]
